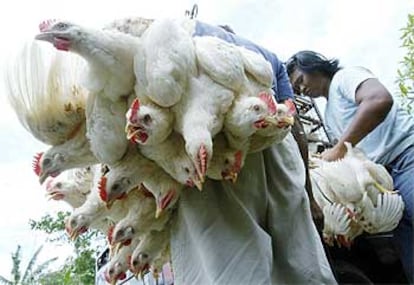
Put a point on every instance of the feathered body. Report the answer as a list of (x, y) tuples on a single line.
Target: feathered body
[(168, 64), (74, 153), (74, 187), (199, 117), (226, 162), (118, 264), (171, 155), (355, 195), (139, 220), (133, 170), (148, 123), (152, 246), (44, 90), (105, 128)]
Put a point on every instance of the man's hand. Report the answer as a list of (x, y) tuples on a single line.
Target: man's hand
[(335, 153)]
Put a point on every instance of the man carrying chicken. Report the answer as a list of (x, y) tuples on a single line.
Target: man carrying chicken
[(258, 230), (360, 110)]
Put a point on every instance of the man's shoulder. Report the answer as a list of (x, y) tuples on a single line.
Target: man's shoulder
[(351, 75), (354, 71)]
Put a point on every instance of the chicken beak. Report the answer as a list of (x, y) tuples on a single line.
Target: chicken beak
[(271, 120), (232, 177), (45, 36), (73, 235), (42, 177), (158, 212), (289, 120), (198, 184), (117, 247), (130, 133)]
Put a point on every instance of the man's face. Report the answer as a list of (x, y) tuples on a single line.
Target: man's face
[(309, 84)]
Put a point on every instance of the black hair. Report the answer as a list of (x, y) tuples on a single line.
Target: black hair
[(310, 61)]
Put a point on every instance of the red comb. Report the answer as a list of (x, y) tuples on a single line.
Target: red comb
[(166, 200), (202, 155), (269, 100), (134, 109), (129, 261), (110, 233), (291, 106), (238, 157), (102, 189), (36, 163), (45, 25)]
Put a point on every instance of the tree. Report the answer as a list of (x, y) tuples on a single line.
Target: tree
[(405, 73), (77, 269), (32, 273)]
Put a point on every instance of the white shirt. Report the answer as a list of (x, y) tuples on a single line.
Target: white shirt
[(388, 139)]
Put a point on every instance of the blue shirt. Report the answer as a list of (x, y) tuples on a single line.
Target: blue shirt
[(281, 84)]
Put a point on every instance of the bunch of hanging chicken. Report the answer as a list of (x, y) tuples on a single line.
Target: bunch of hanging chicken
[(356, 195), (136, 112)]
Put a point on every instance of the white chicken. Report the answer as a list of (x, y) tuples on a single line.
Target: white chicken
[(147, 123), (94, 213), (173, 158), (383, 215), (247, 115), (110, 80), (153, 245), (74, 153), (109, 53), (133, 170), (221, 61), (139, 220), (168, 63), (359, 199), (118, 264), (199, 117), (105, 128), (74, 187), (43, 88), (226, 162), (91, 214)]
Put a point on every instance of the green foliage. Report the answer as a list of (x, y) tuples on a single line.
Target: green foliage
[(33, 272), (405, 74), (77, 269)]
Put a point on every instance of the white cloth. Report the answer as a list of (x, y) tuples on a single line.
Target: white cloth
[(257, 231), (384, 143)]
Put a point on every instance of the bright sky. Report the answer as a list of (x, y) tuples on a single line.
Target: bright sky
[(360, 32)]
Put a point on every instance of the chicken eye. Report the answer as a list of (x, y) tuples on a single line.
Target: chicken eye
[(226, 161), (47, 161), (256, 107), (58, 185), (61, 26), (115, 187), (147, 119), (186, 169)]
